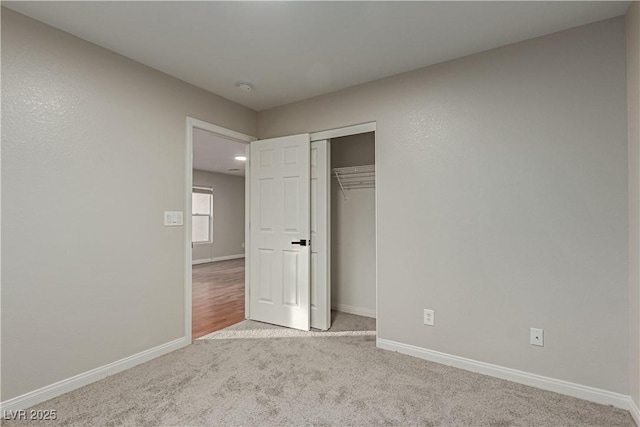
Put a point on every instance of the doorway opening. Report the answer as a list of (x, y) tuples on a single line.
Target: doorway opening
[(216, 232)]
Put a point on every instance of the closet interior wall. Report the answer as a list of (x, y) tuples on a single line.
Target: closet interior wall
[(353, 258)]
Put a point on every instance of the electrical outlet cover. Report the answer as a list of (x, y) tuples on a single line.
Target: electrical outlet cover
[(537, 337), (429, 317)]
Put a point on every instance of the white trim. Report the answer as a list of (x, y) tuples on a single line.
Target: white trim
[(188, 256), (546, 383), (27, 400), (247, 232), (328, 233), (188, 253), (232, 134), (635, 412), (220, 258), (377, 229), (345, 131), (360, 311)]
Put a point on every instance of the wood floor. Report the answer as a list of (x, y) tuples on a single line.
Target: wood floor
[(217, 296)]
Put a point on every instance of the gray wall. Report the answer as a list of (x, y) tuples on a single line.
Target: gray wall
[(228, 215), (93, 149), (633, 105), (502, 201), (353, 150), (353, 233)]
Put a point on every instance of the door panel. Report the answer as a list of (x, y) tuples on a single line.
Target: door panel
[(320, 232), (280, 210), (265, 261)]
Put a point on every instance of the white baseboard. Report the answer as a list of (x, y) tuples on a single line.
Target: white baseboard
[(360, 311), (635, 412), (27, 400), (220, 258), (546, 383)]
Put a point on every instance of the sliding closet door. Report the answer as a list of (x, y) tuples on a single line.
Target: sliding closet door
[(320, 232)]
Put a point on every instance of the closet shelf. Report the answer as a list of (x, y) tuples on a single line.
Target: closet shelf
[(355, 177)]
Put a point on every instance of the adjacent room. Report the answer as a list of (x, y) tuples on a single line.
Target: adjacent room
[(217, 228), (320, 213)]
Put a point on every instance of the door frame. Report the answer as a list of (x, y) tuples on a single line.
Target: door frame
[(193, 123), (337, 133)]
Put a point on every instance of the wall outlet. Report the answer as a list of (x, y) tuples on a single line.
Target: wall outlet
[(243, 244), (429, 317), (537, 337)]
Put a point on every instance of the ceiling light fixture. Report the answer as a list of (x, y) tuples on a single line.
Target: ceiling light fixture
[(244, 86), (241, 158)]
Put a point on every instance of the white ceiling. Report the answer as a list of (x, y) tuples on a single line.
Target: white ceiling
[(296, 50), (214, 153)]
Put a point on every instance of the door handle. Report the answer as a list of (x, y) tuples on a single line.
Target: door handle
[(301, 242)]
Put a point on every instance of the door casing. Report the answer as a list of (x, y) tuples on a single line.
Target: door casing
[(193, 123)]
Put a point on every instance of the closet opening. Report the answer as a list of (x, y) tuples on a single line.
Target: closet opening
[(352, 217)]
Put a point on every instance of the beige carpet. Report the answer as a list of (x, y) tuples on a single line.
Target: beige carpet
[(336, 380)]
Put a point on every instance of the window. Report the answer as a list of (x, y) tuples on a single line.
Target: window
[(202, 211)]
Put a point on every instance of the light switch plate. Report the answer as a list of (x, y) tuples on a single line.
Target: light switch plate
[(173, 218)]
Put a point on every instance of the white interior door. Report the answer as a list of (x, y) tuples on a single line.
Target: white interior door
[(320, 235), (280, 231)]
